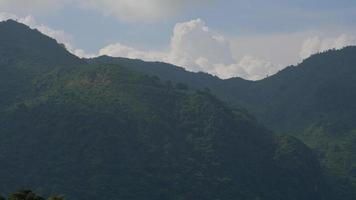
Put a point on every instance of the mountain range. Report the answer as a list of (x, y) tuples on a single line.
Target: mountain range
[(115, 128), (313, 101)]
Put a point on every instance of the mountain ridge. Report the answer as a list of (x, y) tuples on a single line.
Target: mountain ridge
[(103, 131), (228, 89), (313, 101)]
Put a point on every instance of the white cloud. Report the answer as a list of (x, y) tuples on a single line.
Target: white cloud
[(318, 44), (193, 40), (198, 48), (120, 50), (258, 68)]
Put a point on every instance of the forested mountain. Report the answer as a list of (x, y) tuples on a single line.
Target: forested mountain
[(25, 54), (314, 101), (103, 131), (320, 88)]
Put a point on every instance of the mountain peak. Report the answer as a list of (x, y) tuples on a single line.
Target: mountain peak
[(10, 21), (19, 41)]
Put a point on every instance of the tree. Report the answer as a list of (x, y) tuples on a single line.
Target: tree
[(25, 195), (56, 198)]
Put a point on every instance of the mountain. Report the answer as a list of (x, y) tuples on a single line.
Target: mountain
[(25, 54), (175, 74), (314, 101), (19, 42), (320, 88), (103, 131)]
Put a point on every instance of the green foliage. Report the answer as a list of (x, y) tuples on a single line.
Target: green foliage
[(336, 148), (25, 195), (102, 131), (29, 195), (127, 135), (56, 198), (314, 101)]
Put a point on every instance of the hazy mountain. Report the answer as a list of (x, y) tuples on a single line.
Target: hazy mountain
[(103, 131)]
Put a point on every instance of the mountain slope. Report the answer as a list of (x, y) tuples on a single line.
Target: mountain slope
[(314, 101), (24, 55), (320, 88), (19, 42), (101, 131), (172, 73), (150, 141)]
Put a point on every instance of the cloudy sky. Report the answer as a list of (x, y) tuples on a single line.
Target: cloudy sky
[(228, 38)]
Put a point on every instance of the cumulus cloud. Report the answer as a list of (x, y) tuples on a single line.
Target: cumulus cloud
[(318, 44), (120, 50), (198, 48), (193, 41)]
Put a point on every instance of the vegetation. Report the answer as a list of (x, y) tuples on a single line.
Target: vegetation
[(314, 101), (113, 133), (110, 128), (29, 195)]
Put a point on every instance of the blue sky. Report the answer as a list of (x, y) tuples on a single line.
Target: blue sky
[(254, 38)]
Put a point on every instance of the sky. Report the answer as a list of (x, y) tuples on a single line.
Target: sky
[(251, 39)]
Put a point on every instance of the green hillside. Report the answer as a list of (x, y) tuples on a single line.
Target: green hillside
[(102, 131), (321, 88), (314, 101)]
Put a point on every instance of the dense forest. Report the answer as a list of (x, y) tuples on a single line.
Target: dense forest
[(313, 101), (114, 128)]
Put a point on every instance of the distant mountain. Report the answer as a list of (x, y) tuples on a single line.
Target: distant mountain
[(103, 131), (175, 74), (314, 101), (321, 88)]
